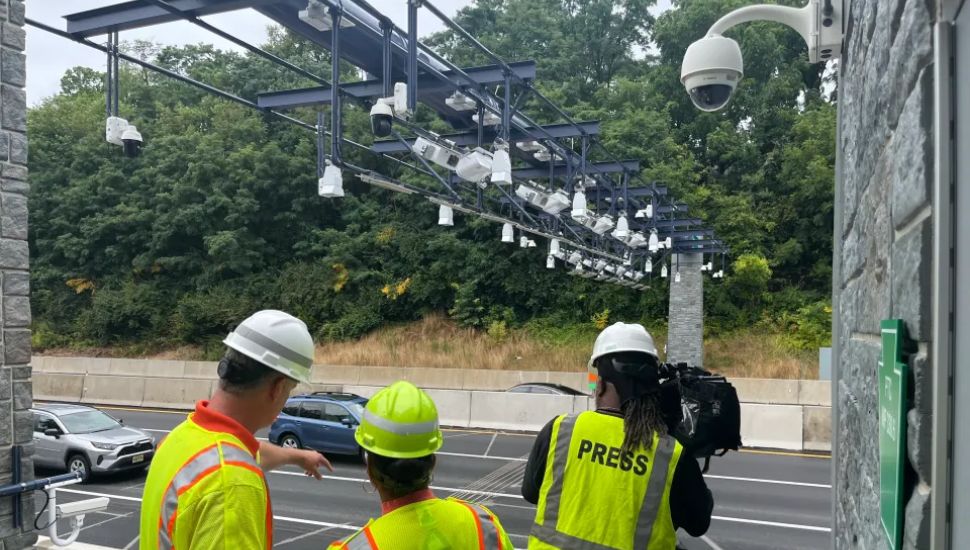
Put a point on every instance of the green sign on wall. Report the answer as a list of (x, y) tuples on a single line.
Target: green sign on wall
[(892, 430)]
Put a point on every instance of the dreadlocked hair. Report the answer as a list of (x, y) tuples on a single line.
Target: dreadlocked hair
[(642, 418)]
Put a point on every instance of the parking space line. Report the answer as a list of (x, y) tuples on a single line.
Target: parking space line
[(350, 527), (772, 481), (301, 537), (710, 542), (114, 517), (490, 443), (775, 524), (435, 487)]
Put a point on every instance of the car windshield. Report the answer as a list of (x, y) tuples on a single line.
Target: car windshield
[(357, 409), (88, 421)]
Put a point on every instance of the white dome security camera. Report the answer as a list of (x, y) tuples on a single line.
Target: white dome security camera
[(713, 66), (711, 71), (381, 119)]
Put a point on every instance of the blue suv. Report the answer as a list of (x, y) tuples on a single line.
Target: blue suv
[(323, 421)]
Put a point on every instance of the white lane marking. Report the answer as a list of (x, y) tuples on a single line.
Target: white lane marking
[(301, 537), (775, 524), (466, 455), (115, 516), (522, 459), (710, 543), (511, 506), (490, 443), (773, 481), (442, 453), (349, 527), (131, 544), (436, 487), (301, 521)]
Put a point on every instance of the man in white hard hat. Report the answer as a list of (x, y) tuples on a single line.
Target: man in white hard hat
[(206, 488), (615, 477)]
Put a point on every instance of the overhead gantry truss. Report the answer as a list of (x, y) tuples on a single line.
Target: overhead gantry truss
[(558, 157)]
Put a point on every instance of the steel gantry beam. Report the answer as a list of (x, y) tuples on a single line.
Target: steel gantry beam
[(369, 89), (373, 43), (470, 139), (561, 170), (136, 14)]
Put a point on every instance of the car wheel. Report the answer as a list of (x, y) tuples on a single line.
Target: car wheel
[(290, 441), (79, 463), (362, 454)]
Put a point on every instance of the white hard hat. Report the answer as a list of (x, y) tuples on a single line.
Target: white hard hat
[(276, 339), (622, 337)]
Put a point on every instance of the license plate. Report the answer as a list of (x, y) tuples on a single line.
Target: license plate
[(137, 459)]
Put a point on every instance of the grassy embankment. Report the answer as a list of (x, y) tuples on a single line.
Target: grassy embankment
[(438, 342)]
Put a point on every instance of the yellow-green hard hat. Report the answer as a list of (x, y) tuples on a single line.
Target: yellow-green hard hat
[(400, 421)]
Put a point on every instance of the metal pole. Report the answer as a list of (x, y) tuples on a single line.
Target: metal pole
[(115, 73), (413, 54), (320, 144), (507, 106), (387, 30), (108, 82), (336, 131)]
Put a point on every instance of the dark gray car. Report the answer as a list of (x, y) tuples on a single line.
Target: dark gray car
[(86, 440)]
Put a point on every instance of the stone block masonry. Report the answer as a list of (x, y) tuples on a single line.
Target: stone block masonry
[(16, 422), (884, 247), (685, 334)]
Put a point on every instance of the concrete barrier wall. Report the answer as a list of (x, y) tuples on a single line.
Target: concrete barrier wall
[(781, 414)]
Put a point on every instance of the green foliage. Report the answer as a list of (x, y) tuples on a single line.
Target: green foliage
[(810, 328), (219, 216)]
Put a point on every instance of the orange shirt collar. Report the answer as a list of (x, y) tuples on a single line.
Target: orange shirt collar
[(417, 496), (213, 421)]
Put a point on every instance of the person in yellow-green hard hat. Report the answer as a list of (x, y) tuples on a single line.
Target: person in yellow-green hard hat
[(400, 434)]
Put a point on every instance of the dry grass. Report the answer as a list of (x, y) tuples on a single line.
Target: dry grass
[(438, 342), (758, 355)]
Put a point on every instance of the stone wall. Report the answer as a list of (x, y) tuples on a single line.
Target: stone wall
[(884, 246), (16, 425), (685, 336)]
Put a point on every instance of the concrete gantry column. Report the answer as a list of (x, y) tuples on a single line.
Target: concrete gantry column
[(685, 335), (16, 422)]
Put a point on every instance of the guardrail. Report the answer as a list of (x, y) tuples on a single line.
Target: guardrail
[(781, 414)]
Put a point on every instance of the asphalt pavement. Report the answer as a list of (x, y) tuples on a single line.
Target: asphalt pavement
[(763, 500)]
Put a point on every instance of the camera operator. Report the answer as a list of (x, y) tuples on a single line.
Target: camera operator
[(615, 476)]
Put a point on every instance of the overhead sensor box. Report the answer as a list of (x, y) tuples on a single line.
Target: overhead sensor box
[(475, 166), (461, 102), (491, 119), (317, 15), (437, 153)]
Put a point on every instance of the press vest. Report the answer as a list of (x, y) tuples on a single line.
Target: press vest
[(596, 497), (205, 489), (431, 524)]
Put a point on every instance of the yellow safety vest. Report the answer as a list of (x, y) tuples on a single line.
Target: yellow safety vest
[(595, 497), (432, 524), (205, 489)]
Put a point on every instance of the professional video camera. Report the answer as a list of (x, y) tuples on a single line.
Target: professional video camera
[(702, 410)]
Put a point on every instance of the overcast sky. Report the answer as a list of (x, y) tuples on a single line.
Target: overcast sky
[(49, 56)]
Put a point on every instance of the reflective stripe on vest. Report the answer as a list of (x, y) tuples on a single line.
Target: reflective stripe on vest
[(362, 541), (488, 535), (205, 462), (652, 500)]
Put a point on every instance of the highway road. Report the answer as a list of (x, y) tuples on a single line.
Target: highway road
[(763, 500)]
